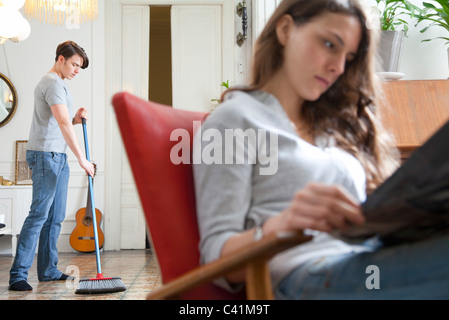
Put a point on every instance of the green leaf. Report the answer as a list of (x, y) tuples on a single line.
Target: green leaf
[(225, 84), (439, 17)]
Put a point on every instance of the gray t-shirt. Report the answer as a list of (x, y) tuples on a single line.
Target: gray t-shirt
[(45, 134), (233, 197)]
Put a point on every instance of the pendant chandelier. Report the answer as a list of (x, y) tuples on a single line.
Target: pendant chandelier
[(59, 12), (13, 25)]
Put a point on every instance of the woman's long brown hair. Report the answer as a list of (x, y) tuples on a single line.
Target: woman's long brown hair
[(348, 111)]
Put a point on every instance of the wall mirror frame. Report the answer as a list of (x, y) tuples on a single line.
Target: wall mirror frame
[(8, 100)]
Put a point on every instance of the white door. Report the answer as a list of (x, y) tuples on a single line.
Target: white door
[(203, 44), (135, 44), (202, 52), (196, 56), (261, 12)]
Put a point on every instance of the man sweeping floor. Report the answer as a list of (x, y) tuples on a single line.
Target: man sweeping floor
[(51, 132)]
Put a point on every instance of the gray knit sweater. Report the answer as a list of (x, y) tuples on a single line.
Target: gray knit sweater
[(236, 191)]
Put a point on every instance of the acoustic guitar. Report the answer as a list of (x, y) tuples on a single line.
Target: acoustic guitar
[(82, 238)]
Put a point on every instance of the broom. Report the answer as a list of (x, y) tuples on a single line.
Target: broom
[(100, 284)]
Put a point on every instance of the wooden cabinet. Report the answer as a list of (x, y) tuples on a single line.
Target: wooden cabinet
[(414, 110), (15, 204)]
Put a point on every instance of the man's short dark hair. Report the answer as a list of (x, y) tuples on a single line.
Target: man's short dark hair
[(68, 49)]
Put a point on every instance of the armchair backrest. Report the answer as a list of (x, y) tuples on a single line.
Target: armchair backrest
[(165, 189)]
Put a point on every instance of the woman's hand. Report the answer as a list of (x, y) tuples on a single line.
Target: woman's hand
[(319, 207)]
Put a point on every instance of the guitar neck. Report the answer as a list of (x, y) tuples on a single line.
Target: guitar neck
[(89, 200)]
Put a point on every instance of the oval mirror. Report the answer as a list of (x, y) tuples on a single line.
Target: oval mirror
[(8, 100)]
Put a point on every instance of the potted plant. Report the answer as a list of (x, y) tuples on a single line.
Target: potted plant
[(438, 17), (216, 100), (394, 28)]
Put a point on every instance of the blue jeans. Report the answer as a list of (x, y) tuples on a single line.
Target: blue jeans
[(417, 270), (50, 175)]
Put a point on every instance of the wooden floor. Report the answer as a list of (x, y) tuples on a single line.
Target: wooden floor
[(137, 269)]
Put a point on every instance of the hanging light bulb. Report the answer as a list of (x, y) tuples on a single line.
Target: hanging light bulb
[(13, 4), (12, 24), (25, 31)]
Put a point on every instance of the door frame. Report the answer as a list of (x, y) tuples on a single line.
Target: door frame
[(113, 58)]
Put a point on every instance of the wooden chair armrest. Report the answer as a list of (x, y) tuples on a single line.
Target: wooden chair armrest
[(253, 255)]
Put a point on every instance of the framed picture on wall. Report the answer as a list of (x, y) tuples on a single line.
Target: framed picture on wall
[(23, 172)]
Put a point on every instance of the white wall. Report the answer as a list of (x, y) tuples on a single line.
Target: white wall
[(422, 60)]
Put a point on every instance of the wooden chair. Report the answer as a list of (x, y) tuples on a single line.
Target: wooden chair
[(166, 192)]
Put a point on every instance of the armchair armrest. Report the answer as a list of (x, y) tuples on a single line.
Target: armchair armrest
[(253, 257)]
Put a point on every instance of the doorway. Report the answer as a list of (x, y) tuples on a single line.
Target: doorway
[(199, 50), (160, 73)]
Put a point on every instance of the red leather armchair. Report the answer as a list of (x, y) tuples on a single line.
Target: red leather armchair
[(166, 192)]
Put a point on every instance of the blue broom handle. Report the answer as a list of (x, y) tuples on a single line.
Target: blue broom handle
[(92, 201)]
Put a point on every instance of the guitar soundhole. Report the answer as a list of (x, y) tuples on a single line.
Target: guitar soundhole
[(87, 221)]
